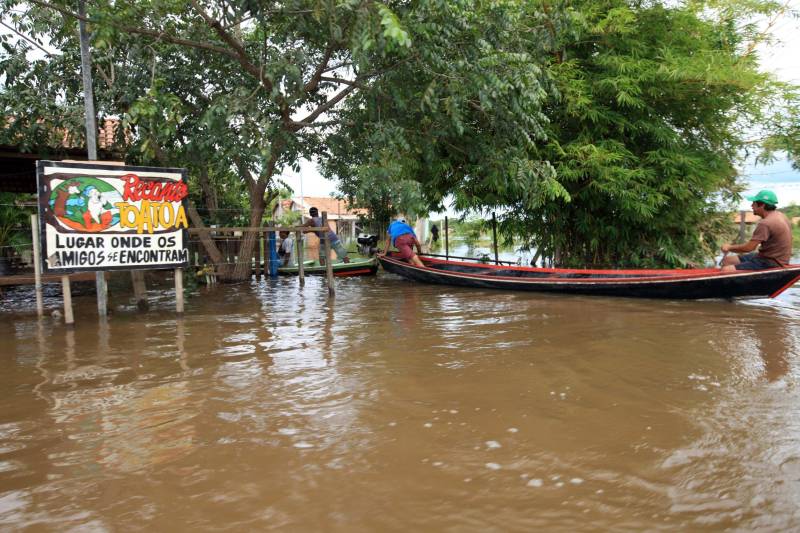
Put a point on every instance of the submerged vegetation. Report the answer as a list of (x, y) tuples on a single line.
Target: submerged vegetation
[(607, 132)]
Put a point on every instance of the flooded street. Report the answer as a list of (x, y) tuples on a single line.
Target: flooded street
[(401, 407)]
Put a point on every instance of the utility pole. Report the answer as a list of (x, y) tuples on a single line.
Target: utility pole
[(91, 133)]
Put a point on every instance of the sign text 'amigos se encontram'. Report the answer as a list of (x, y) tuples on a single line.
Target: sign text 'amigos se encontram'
[(102, 217)]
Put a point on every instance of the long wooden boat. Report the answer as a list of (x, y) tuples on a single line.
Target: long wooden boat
[(358, 266), (673, 284)]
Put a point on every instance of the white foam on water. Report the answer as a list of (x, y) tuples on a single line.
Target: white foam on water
[(392, 424), (576, 481), (512, 430), (493, 466), (303, 444), (493, 444), (428, 425), (453, 411), (535, 482), (560, 484)]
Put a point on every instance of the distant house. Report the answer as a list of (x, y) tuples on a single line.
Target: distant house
[(341, 218)]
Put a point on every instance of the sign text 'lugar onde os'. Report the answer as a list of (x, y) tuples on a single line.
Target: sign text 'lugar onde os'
[(97, 217)]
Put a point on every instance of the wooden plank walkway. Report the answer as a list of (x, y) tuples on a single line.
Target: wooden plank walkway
[(28, 278)]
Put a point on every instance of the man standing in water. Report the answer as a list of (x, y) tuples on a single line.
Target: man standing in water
[(286, 248), (773, 233), (402, 236), (336, 244)]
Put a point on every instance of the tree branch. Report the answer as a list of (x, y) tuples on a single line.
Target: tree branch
[(313, 83), (311, 117), (342, 81), (26, 38), (238, 48), (163, 36)]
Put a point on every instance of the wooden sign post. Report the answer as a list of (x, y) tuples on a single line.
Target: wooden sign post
[(66, 291), (37, 265), (179, 291)]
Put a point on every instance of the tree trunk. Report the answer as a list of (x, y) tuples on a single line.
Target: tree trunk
[(223, 270), (209, 194), (243, 268)]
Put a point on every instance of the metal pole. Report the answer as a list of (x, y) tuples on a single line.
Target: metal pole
[(446, 241), (91, 134), (494, 239), (328, 264), (88, 95), (299, 245), (37, 266)]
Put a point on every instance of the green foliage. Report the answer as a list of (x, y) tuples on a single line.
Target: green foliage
[(470, 231), (458, 113), (15, 225), (645, 133), (608, 130)]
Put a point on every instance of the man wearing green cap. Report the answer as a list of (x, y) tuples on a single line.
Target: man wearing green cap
[(772, 237)]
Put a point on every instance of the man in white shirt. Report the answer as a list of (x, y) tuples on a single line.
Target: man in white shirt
[(286, 248)]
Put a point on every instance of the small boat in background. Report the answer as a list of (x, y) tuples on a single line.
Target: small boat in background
[(358, 266), (673, 284)]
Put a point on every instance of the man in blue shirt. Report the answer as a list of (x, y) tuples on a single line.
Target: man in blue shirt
[(402, 237)]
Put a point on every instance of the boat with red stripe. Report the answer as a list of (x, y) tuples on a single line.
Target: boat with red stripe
[(684, 284)]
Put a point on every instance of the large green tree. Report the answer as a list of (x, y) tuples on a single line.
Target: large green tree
[(645, 109), (220, 87), (247, 88), (460, 113), (655, 107)]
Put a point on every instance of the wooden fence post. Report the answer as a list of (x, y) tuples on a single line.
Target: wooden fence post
[(257, 256), (328, 263), (300, 267), (742, 225), (446, 241), (494, 238)]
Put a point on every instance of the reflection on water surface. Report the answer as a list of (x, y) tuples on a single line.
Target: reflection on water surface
[(402, 406)]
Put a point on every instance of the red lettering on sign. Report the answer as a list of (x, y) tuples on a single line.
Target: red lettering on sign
[(155, 191)]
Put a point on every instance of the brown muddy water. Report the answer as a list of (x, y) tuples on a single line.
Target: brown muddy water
[(400, 407)]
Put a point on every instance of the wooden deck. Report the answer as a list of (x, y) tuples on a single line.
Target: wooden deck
[(28, 279)]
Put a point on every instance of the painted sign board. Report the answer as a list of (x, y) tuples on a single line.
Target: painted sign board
[(103, 217)]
